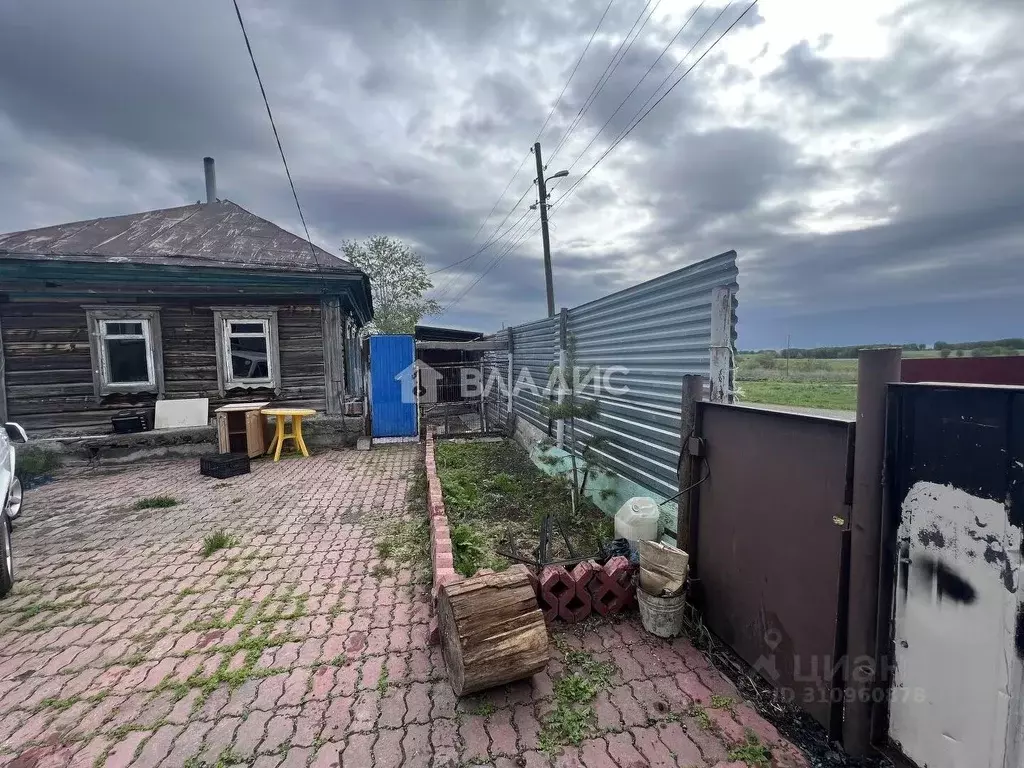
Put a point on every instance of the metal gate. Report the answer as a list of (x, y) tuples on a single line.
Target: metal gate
[(393, 386), (955, 508)]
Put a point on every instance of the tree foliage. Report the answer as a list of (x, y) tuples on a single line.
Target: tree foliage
[(398, 279)]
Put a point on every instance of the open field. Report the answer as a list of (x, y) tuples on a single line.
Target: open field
[(806, 394)]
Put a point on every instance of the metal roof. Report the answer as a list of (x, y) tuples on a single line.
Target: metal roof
[(220, 234)]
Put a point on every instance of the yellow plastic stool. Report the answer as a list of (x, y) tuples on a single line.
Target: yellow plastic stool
[(295, 414)]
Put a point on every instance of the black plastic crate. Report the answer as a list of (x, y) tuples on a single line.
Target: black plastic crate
[(126, 423), (222, 465)]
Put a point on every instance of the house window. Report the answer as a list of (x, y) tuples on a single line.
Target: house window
[(126, 350), (247, 351)]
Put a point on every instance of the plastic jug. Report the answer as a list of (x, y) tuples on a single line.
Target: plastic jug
[(638, 519)]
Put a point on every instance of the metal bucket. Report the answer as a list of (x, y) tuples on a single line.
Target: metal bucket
[(661, 616)]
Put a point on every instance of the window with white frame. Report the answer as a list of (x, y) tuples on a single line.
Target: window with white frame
[(126, 351), (247, 351)]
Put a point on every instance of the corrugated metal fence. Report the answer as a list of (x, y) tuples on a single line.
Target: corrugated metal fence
[(654, 333)]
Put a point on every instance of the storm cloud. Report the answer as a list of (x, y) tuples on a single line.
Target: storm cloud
[(867, 164)]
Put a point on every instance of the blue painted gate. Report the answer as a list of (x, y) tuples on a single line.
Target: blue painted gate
[(392, 380)]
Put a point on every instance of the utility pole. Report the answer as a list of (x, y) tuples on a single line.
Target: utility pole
[(542, 192)]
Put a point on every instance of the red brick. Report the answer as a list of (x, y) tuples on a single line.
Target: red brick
[(294, 688), (188, 744), (474, 737), (387, 751), (555, 582), (250, 733), (392, 708), (679, 744), (503, 736), (123, 752), (279, 730), (416, 746), (632, 713), (364, 711), (338, 718), (219, 738), (358, 751), (309, 723), (158, 747)]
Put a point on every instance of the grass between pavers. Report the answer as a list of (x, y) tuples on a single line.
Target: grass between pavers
[(805, 394), (155, 502), (574, 719), (751, 751), (492, 491), (219, 539), (406, 541)]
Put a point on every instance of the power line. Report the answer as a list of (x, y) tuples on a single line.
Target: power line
[(443, 291), (526, 232), (551, 113), (491, 239), (578, 62), (640, 81), (606, 76), (277, 138), (640, 119)]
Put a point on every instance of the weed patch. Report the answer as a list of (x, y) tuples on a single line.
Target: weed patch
[(574, 718), (219, 539), (155, 502), (35, 465), (751, 751), (698, 713)]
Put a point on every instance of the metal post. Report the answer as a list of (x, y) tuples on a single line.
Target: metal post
[(483, 402), (511, 359), (875, 369), (721, 345), (542, 193), (560, 396), (693, 393)]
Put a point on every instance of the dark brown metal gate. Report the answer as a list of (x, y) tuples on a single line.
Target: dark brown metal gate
[(773, 547)]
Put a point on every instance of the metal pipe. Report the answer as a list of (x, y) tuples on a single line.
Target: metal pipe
[(876, 368), (211, 180)]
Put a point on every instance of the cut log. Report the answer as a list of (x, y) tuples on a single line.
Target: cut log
[(492, 632)]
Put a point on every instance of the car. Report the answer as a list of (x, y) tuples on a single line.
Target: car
[(11, 495)]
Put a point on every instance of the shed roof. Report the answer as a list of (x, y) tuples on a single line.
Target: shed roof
[(220, 234)]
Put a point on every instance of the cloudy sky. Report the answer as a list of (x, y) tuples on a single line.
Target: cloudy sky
[(866, 160)]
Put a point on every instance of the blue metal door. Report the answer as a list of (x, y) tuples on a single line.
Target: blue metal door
[(392, 380)]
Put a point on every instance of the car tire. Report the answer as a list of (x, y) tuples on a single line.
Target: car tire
[(15, 500), (7, 555)]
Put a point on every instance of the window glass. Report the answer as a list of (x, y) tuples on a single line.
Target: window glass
[(123, 329), (249, 357), (247, 328)]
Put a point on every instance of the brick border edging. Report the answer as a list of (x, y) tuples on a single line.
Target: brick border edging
[(442, 562)]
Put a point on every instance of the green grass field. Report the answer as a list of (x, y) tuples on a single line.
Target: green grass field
[(806, 394)]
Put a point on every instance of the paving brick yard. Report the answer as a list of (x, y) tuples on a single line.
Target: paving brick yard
[(122, 645)]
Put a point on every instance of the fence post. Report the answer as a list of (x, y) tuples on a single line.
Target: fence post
[(693, 392), (563, 323), (511, 365), (721, 345), (875, 369)]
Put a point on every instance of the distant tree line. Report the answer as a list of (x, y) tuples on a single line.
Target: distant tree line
[(821, 353), (990, 348)]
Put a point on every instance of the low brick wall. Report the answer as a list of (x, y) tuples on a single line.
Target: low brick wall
[(442, 560)]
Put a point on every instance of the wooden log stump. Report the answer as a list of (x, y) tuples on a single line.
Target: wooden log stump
[(492, 632)]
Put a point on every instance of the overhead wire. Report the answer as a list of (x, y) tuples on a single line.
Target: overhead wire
[(551, 113), (622, 136), (280, 148), (639, 83), (613, 64)]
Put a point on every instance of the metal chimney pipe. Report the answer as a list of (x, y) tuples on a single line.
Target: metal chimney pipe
[(211, 180)]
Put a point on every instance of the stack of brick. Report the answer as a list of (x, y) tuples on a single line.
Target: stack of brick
[(573, 595), (441, 556)]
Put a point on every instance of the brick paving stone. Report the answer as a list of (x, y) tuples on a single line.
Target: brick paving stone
[(158, 609), (416, 746), (250, 733), (503, 735), (188, 744), (387, 750), (358, 750), (474, 737), (158, 746), (123, 753), (279, 730)]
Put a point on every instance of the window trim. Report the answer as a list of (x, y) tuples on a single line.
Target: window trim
[(222, 318), (96, 316)]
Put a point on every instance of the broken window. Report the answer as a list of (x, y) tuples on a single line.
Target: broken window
[(247, 353), (126, 350)]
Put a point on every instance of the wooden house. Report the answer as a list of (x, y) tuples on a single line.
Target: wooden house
[(205, 300)]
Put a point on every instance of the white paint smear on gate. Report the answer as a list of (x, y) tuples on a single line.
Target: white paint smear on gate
[(958, 679)]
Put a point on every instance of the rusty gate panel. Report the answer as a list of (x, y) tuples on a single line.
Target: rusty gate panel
[(773, 547)]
